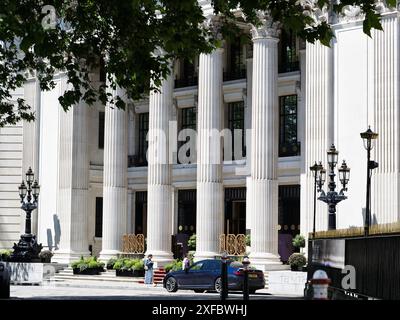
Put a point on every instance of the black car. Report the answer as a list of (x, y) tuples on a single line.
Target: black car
[(206, 275)]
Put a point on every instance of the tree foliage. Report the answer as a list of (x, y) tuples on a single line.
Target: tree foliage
[(76, 37)]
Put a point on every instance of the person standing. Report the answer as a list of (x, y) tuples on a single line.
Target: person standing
[(148, 267), (186, 263)]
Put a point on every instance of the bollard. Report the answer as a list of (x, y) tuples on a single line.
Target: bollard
[(246, 263), (224, 276), (320, 283)]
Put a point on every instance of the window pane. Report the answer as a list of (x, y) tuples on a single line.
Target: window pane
[(288, 144), (99, 217), (101, 130)]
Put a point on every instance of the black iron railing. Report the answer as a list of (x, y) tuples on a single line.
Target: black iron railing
[(235, 74), (289, 149), (187, 82)]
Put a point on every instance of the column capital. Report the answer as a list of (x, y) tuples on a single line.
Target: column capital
[(213, 24), (268, 29)]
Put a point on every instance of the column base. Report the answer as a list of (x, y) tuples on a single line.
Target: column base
[(68, 256), (160, 258), (106, 255), (266, 261)]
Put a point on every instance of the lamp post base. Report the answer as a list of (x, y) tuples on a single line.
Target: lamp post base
[(27, 249)]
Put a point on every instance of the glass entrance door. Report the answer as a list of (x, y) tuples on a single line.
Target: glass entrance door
[(235, 211)]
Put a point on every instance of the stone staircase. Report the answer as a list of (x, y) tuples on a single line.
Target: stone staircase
[(109, 275), (158, 276)]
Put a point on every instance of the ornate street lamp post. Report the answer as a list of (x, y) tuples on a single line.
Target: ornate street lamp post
[(27, 248), (369, 138), (317, 173), (332, 198)]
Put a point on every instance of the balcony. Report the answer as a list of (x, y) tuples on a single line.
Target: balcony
[(137, 161), (289, 66), (289, 149), (189, 81), (235, 74)]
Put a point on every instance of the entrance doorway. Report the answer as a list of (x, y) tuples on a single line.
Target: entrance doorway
[(141, 213), (289, 219), (235, 211)]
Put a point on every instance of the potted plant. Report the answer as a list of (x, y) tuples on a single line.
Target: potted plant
[(297, 261), (175, 265), (5, 254), (110, 263), (45, 256), (129, 268), (87, 266), (299, 242), (192, 242)]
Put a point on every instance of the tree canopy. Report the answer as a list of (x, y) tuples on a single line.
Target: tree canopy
[(78, 36)]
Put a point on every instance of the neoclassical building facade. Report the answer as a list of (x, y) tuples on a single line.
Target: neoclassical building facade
[(279, 104)]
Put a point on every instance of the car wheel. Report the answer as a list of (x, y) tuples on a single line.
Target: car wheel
[(199, 290), (171, 285), (218, 285)]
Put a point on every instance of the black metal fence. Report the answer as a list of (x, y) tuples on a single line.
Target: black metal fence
[(376, 260)]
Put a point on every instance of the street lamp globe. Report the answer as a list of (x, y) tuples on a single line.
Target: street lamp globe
[(22, 190), (29, 175), (332, 156), (35, 189), (344, 174), (369, 138)]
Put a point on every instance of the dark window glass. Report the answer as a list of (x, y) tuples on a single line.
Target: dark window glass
[(236, 62), (101, 129), (188, 76), (99, 218), (141, 212), (143, 143), (236, 121), (288, 144), (288, 57), (188, 121)]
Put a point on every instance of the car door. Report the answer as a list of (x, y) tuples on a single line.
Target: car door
[(209, 272), (189, 279)]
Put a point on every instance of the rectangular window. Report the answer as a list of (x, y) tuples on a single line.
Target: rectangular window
[(288, 144), (236, 61), (288, 56), (187, 75), (236, 121), (188, 121), (143, 143), (101, 129), (98, 232)]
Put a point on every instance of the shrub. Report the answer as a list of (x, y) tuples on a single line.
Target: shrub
[(5, 254), (110, 263), (297, 260), (128, 264), (299, 241), (87, 263), (45, 255), (248, 240), (192, 242), (175, 265)]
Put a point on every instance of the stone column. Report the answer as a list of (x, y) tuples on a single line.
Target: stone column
[(318, 135), (385, 202), (210, 195), (264, 147), (159, 192), (73, 184), (31, 141), (115, 180)]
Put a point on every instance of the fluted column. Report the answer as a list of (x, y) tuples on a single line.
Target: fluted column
[(159, 192), (385, 120), (210, 197), (114, 180), (318, 131), (264, 147), (73, 184)]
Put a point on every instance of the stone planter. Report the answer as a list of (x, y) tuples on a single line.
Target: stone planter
[(129, 273), (89, 271)]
